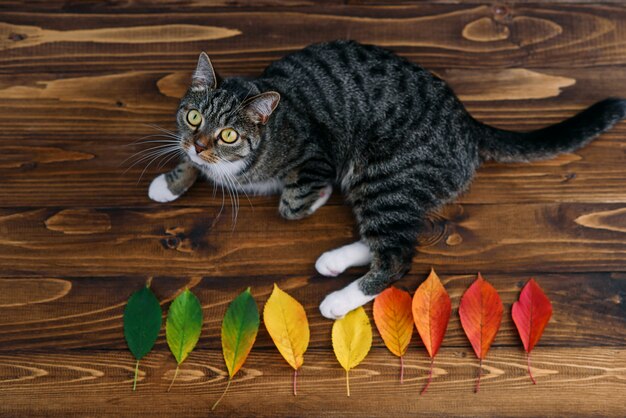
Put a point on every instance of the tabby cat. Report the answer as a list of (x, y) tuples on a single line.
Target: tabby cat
[(392, 136)]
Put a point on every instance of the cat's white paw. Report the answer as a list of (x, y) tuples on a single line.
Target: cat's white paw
[(324, 196), (337, 304), (332, 263), (159, 192)]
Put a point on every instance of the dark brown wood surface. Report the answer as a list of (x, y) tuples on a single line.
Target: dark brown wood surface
[(81, 80)]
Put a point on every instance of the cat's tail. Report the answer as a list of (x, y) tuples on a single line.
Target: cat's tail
[(567, 136)]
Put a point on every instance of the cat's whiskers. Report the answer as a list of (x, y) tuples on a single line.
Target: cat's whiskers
[(152, 156), (137, 141), (178, 153), (148, 151), (232, 192), (162, 154), (165, 131), (156, 141), (238, 182), (236, 185), (167, 146)]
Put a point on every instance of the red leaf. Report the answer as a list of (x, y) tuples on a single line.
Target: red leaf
[(531, 314), (481, 312)]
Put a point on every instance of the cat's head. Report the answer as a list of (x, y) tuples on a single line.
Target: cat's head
[(218, 130)]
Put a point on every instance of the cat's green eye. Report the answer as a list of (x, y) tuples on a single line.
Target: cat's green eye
[(229, 135), (194, 118)]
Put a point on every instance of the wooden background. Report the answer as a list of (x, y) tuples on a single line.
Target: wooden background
[(80, 79)]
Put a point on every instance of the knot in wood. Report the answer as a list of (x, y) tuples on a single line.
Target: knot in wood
[(16, 37)]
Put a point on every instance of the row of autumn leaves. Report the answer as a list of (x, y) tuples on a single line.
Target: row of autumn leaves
[(395, 313)]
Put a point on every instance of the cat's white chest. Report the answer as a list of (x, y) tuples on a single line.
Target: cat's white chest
[(225, 174)]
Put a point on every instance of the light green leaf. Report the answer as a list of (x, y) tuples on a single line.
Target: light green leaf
[(183, 326)]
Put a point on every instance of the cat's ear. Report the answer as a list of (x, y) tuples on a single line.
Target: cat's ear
[(260, 107), (204, 76)]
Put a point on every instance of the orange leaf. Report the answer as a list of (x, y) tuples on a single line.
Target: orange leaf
[(392, 316), (481, 312), (531, 314), (431, 313)]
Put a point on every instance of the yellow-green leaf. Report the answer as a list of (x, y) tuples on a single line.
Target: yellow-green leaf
[(352, 340), (287, 324), (239, 329)]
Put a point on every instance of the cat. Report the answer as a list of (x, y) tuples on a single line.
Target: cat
[(392, 136)]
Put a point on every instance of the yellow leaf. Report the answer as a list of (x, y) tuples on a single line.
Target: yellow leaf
[(352, 340), (286, 322)]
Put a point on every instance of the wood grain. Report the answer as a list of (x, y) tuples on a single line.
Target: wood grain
[(430, 34), (193, 241), (81, 80), (585, 382)]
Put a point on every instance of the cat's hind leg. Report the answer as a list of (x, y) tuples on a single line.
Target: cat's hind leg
[(389, 215), (170, 186), (386, 267)]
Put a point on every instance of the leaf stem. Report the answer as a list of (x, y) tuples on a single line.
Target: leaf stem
[(430, 376), (401, 369), (348, 383), (295, 375), (480, 372), (135, 378), (530, 373), (174, 378), (221, 397)]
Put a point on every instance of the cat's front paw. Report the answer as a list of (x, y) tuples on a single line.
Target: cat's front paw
[(333, 263), (330, 264), (337, 304), (159, 192)]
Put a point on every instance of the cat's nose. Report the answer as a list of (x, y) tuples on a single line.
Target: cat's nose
[(200, 144)]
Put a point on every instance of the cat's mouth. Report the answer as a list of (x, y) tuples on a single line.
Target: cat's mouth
[(218, 168), (195, 157)]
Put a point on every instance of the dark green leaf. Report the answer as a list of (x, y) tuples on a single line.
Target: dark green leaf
[(142, 322)]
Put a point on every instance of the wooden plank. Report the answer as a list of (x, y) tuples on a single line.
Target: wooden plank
[(442, 35), (81, 6), (71, 148), (571, 382), (192, 241), (64, 313)]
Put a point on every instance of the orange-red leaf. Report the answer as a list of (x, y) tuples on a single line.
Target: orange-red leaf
[(481, 312), (531, 314), (431, 313), (393, 319)]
